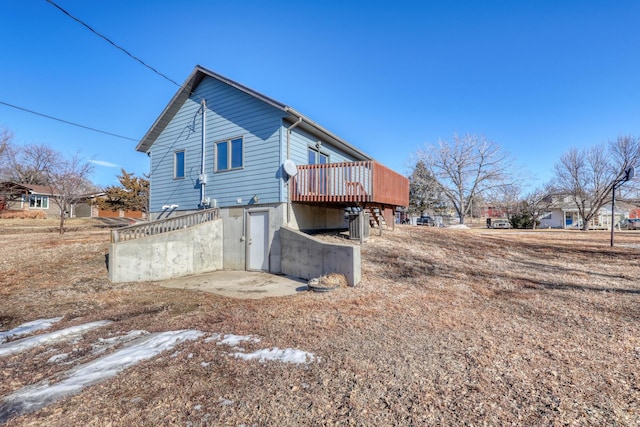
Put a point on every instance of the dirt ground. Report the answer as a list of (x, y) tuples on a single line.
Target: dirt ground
[(448, 327)]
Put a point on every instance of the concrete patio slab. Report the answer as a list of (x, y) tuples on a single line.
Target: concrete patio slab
[(239, 284)]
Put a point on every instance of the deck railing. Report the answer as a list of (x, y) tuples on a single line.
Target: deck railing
[(353, 182), (163, 225)]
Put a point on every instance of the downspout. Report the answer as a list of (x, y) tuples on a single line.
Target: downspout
[(289, 129), (203, 176)]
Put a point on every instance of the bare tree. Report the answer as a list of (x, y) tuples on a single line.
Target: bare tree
[(625, 151), (6, 144), (40, 164), (588, 175), (69, 180), (466, 167), (5, 138), (532, 207), (31, 164), (505, 197)]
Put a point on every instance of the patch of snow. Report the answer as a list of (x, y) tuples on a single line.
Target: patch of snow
[(120, 338), (76, 339), (138, 345), (233, 340), (105, 344), (225, 402), (213, 337), (31, 342), (287, 355), (459, 226), (39, 395), (27, 328), (58, 358)]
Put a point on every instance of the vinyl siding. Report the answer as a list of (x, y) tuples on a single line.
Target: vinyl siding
[(300, 143), (230, 114)]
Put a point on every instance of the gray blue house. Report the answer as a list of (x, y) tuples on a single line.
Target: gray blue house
[(262, 164)]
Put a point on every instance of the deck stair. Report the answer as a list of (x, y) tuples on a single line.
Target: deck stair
[(376, 218)]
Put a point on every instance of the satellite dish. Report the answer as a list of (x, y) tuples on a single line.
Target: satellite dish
[(290, 168)]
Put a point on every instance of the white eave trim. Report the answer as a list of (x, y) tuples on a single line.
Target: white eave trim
[(197, 75)]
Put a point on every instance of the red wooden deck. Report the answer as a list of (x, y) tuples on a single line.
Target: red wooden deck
[(350, 183)]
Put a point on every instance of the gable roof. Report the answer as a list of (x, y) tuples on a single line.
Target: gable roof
[(194, 79), (14, 187)]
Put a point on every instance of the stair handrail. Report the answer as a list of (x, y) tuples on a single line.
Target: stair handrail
[(163, 225)]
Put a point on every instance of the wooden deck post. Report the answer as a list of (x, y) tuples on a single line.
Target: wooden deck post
[(361, 226)]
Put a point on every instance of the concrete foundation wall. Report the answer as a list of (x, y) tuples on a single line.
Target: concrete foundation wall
[(235, 238), (222, 244), (308, 217), (194, 250), (306, 257), (277, 218)]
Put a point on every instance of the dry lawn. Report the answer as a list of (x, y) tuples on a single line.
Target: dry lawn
[(448, 327)]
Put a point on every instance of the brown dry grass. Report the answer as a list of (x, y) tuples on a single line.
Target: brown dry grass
[(329, 281), (22, 214), (448, 327)]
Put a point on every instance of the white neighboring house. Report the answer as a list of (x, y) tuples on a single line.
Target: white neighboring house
[(563, 213)]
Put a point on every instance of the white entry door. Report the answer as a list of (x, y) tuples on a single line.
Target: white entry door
[(258, 241)]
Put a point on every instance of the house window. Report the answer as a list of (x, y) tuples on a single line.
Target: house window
[(318, 177), (317, 158), (38, 202), (546, 216), (178, 164), (229, 154)]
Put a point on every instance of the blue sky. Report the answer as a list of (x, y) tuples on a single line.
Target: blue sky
[(388, 77)]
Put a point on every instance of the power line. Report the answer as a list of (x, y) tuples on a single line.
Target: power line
[(67, 122), (125, 51)]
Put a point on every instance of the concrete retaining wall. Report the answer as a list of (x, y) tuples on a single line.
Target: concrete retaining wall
[(307, 217), (194, 250), (235, 244), (306, 257)]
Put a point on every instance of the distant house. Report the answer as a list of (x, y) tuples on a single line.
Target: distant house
[(488, 211), (31, 198), (263, 164), (37, 201), (86, 207), (563, 213)]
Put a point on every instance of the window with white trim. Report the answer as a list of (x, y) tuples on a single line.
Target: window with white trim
[(318, 177), (229, 154), (316, 157), (38, 202)]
